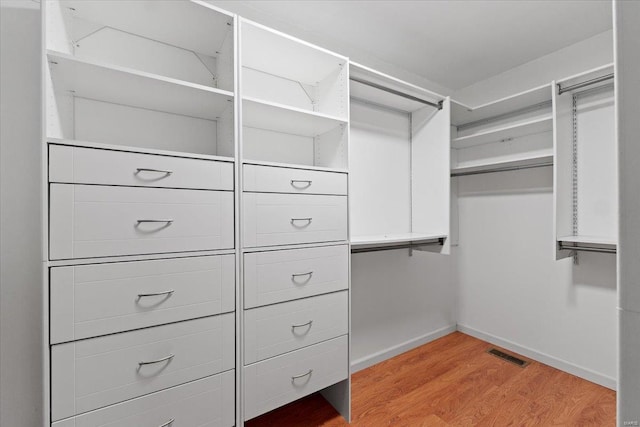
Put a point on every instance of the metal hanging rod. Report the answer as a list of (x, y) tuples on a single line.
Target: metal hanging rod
[(503, 169), (413, 246), (437, 105), (586, 248), (600, 79)]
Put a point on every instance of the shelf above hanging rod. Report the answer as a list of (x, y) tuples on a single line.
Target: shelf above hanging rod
[(586, 83), (501, 169), (382, 245), (572, 247), (396, 92)]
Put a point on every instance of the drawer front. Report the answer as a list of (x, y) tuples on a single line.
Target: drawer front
[(206, 402), (93, 373), (99, 299), (280, 328), (281, 219), (298, 181), (79, 165), (275, 382), (95, 221), (277, 276)]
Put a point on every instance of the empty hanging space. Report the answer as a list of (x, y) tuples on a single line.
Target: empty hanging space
[(586, 154), (146, 74), (294, 100), (399, 163), (511, 133)]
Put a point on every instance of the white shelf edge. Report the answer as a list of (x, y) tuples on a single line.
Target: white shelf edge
[(293, 166), (392, 239), (510, 97), (52, 55), (133, 149), (588, 240), (285, 107), (586, 73), (481, 135), (523, 161)]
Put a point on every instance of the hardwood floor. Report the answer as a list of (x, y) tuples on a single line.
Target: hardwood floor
[(453, 382)]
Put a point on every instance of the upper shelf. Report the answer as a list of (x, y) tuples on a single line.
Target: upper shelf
[(462, 114), (524, 162), (279, 54), (191, 25), (395, 239), (595, 73), (108, 83), (530, 127), (359, 91), (261, 114), (589, 240)]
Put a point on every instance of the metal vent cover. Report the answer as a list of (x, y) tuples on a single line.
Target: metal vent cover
[(508, 357)]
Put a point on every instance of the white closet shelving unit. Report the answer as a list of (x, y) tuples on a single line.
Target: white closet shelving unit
[(585, 175), (140, 258), (399, 171), (295, 299), (511, 133)]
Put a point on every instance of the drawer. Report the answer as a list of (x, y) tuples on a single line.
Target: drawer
[(281, 219), (99, 299), (206, 402), (93, 373), (95, 221), (289, 180), (277, 381), (277, 276), (79, 165), (280, 328)]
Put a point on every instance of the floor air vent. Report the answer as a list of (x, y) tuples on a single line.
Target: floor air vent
[(509, 358)]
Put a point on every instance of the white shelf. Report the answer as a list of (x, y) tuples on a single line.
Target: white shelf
[(261, 114), (276, 53), (462, 114), (191, 25), (531, 127), (108, 83), (523, 162), (382, 240), (294, 166), (133, 149), (589, 240), (587, 75)]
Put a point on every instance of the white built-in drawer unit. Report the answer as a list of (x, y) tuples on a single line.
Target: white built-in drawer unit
[(80, 165), (206, 402), (281, 219), (93, 373), (98, 299), (279, 328), (283, 379), (290, 180), (277, 276), (96, 221)]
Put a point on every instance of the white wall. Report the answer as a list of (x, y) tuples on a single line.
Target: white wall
[(20, 239), (511, 291), (590, 53)]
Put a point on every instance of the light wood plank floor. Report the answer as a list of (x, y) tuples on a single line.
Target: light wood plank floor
[(453, 382)]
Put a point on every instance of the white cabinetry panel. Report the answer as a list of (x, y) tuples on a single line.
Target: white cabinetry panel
[(289, 180)]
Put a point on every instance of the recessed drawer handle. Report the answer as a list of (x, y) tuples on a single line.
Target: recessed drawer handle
[(295, 377), (156, 294), (308, 220), (310, 273), (151, 362), (167, 221), (168, 423), (309, 324), (303, 181), (166, 172)]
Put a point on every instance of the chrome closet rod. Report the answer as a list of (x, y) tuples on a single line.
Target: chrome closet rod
[(397, 92), (587, 249), (398, 246), (600, 79), (504, 169)]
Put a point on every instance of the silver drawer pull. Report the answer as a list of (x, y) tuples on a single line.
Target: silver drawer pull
[(309, 324), (301, 181), (295, 377), (166, 172), (293, 221), (151, 362), (167, 221), (302, 282), (310, 273), (168, 423), (156, 294)]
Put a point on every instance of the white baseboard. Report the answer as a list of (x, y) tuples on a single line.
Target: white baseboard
[(388, 353), (560, 364)]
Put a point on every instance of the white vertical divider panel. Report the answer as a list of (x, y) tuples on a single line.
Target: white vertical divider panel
[(627, 87), (562, 172), (431, 169)]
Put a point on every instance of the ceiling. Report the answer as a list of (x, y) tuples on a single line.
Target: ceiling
[(451, 43)]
